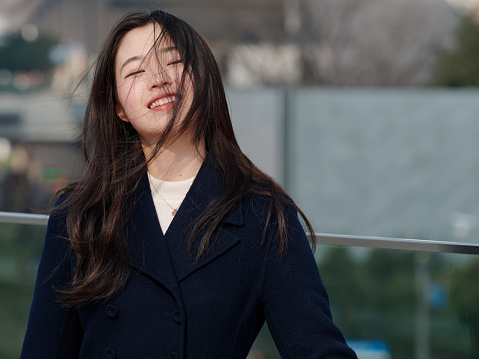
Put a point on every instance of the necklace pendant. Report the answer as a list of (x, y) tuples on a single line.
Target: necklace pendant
[(174, 212)]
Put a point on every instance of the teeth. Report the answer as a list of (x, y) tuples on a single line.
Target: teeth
[(162, 101)]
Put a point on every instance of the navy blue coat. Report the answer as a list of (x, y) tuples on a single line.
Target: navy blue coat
[(172, 307)]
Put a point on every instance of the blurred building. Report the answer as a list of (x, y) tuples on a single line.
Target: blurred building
[(39, 149), (88, 21)]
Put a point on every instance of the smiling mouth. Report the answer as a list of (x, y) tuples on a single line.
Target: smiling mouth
[(162, 101)]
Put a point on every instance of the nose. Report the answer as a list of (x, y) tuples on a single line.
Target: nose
[(158, 80)]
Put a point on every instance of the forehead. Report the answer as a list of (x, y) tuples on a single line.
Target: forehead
[(139, 42)]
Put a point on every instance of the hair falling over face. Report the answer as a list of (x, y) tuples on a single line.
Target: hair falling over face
[(98, 204), (154, 89)]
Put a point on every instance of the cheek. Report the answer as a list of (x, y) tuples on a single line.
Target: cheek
[(128, 97)]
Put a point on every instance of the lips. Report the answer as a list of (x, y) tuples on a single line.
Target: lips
[(163, 100)]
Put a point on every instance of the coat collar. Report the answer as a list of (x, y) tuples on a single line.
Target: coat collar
[(209, 183), (165, 257)]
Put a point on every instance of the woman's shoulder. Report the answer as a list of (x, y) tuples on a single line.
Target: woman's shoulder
[(270, 194), (270, 206), (58, 215)]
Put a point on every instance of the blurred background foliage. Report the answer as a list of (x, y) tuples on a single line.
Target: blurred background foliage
[(18, 54), (373, 296), (377, 296), (458, 67)]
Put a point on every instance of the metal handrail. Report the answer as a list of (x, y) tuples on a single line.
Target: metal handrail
[(322, 238), (24, 218), (419, 245)]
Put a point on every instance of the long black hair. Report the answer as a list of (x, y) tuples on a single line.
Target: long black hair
[(115, 162)]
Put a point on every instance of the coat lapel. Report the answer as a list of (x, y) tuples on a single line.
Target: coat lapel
[(208, 184), (165, 258), (148, 250)]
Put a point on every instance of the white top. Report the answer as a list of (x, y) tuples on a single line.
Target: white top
[(167, 197)]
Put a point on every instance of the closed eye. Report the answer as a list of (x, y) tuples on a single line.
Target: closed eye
[(174, 62), (134, 73)]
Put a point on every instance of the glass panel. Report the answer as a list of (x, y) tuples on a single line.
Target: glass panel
[(399, 304), (20, 250), (388, 303)]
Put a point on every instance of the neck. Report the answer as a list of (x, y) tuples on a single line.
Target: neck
[(177, 161)]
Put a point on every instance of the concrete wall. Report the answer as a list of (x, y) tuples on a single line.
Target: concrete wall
[(380, 162)]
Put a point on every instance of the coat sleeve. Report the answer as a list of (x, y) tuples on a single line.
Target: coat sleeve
[(53, 331), (296, 303)]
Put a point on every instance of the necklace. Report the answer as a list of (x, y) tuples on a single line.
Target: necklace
[(174, 210)]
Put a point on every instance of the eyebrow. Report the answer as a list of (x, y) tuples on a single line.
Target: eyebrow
[(138, 57), (131, 59)]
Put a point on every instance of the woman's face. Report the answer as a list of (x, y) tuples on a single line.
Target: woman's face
[(148, 83)]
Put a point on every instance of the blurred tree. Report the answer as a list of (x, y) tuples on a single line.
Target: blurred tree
[(374, 42), (464, 299), (459, 66), (18, 54), (373, 298), (344, 280), (348, 43), (391, 273)]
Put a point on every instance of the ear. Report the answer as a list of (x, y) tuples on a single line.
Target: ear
[(121, 113)]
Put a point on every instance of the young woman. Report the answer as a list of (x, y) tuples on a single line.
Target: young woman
[(172, 244)]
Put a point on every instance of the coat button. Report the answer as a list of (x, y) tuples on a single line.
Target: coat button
[(111, 312), (177, 317), (110, 354), (173, 355)]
